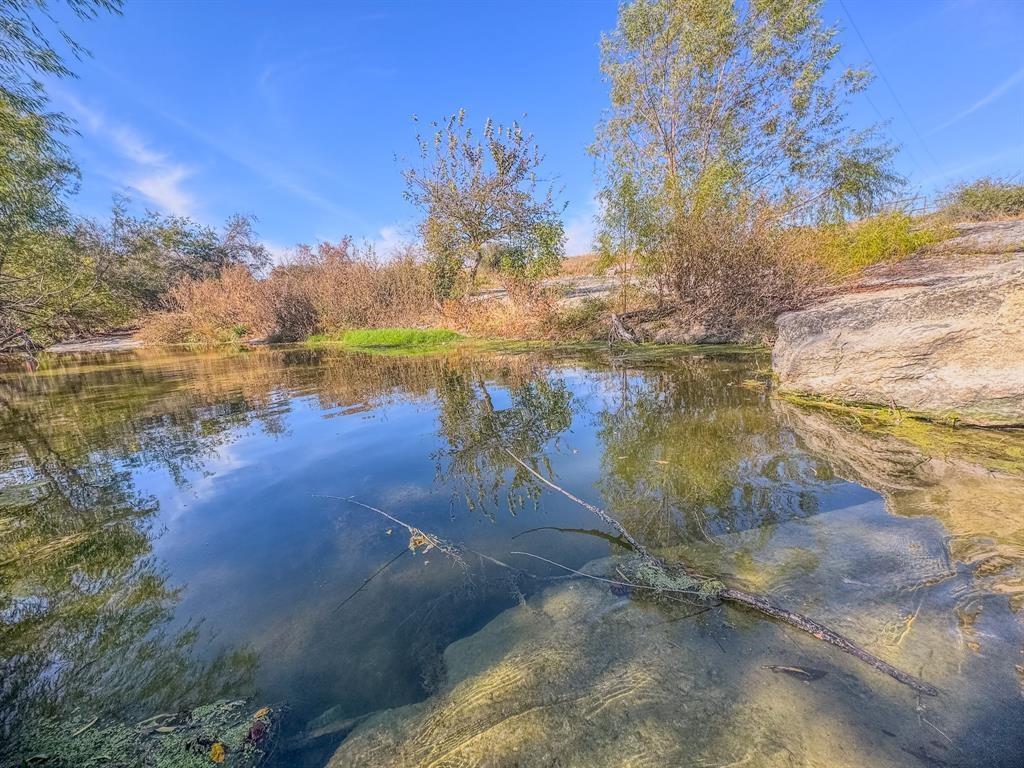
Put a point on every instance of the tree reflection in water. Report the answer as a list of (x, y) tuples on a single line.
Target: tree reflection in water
[(83, 605), (476, 431), (690, 453)]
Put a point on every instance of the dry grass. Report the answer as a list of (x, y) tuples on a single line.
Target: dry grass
[(322, 290), (730, 275), (986, 199), (227, 308), (343, 289), (577, 266), (519, 315)]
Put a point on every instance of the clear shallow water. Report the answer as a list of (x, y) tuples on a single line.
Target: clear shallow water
[(165, 543)]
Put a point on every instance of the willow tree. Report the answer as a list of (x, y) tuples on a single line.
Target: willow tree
[(481, 195), (728, 118), (714, 100), (45, 279)]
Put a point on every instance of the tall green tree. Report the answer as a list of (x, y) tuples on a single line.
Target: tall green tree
[(727, 123), (151, 252), (717, 100), (481, 194), (46, 280), (628, 239)]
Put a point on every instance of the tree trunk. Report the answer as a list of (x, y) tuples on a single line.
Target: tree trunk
[(476, 264)]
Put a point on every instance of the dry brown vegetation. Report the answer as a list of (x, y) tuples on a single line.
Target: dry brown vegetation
[(226, 308), (584, 264), (723, 278), (334, 287), (734, 275), (327, 288)]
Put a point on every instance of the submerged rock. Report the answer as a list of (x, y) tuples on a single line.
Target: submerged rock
[(581, 677), (972, 481), (941, 336)]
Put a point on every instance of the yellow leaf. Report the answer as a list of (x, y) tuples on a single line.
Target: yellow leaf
[(217, 752), (261, 713)]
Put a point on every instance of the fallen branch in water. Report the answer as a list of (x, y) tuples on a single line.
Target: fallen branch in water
[(420, 538), (750, 600), (367, 581), (417, 537), (608, 519)]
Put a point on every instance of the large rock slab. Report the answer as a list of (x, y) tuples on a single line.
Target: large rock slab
[(581, 678), (944, 339)]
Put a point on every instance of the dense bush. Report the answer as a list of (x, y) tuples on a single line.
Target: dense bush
[(985, 199), (233, 306), (732, 274), (348, 287)]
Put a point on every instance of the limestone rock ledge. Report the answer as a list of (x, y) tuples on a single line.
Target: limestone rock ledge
[(939, 336)]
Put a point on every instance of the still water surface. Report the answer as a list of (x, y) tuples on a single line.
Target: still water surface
[(165, 542)]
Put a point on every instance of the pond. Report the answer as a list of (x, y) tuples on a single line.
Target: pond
[(181, 529)]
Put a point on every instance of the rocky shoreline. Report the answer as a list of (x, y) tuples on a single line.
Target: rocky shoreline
[(938, 335)]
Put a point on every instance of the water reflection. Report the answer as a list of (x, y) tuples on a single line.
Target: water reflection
[(691, 453), (535, 412), (82, 601), (161, 545)]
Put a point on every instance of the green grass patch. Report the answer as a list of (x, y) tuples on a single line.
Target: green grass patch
[(397, 340)]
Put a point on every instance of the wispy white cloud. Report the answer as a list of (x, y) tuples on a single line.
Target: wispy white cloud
[(255, 163), (1015, 155), (164, 187), (390, 240), (151, 173), (994, 95), (279, 253)]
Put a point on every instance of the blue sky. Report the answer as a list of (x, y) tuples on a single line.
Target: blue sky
[(295, 111)]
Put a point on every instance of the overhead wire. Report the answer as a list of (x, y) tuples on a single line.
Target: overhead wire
[(888, 85)]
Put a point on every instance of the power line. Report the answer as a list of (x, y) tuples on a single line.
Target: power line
[(892, 92), (885, 121)]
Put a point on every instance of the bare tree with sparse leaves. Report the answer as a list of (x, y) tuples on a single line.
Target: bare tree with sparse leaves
[(481, 193)]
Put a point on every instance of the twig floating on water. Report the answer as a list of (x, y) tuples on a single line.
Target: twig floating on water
[(376, 573)]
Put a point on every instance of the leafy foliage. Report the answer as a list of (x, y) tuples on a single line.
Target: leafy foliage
[(716, 101), (479, 193), (847, 249), (727, 122), (49, 284), (153, 252), (986, 199), (27, 53)]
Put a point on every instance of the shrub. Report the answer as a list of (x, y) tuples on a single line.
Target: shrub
[(583, 320), (329, 288), (347, 287), (731, 274), (845, 249), (985, 199), (525, 312), (230, 307)]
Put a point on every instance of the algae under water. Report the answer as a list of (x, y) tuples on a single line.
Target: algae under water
[(166, 543)]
